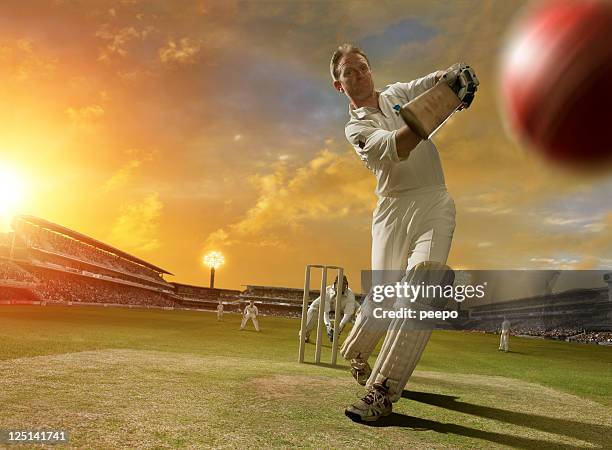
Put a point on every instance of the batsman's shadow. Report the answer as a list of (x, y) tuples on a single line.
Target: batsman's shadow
[(418, 424), (592, 433)]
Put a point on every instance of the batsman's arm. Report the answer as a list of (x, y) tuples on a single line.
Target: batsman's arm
[(438, 75), (405, 141), (414, 88), (375, 145)]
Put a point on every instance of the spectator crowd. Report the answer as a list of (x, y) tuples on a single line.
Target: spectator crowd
[(593, 337), (12, 272), (66, 288), (569, 333), (58, 243)]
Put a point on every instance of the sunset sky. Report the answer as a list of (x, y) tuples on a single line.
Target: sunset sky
[(170, 128)]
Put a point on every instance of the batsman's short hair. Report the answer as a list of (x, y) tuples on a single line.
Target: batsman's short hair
[(344, 49)]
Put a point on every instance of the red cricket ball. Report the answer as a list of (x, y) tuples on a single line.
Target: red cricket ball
[(556, 81)]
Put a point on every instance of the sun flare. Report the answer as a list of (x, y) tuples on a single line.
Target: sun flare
[(12, 193)]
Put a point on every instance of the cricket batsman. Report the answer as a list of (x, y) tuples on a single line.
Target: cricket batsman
[(414, 219), (250, 312), (347, 305), (505, 335)]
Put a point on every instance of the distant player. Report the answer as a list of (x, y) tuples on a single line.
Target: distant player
[(220, 311), (505, 334), (250, 312), (348, 305)]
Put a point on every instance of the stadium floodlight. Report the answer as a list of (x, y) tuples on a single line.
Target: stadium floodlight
[(213, 260)]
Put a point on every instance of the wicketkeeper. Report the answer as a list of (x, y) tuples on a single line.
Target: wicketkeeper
[(414, 219), (347, 305)]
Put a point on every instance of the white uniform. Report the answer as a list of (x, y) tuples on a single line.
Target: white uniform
[(220, 311), (348, 305), (505, 334), (414, 221), (250, 312)]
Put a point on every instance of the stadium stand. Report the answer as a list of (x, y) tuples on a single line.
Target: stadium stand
[(16, 284), (276, 301), (12, 272), (17, 295), (280, 301), (579, 315), (67, 288), (200, 297), (53, 264), (46, 238), (270, 300)]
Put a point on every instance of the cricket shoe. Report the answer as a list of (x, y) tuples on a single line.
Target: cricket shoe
[(373, 406), (360, 370)]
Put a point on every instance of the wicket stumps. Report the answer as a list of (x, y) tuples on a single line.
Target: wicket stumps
[(320, 324)]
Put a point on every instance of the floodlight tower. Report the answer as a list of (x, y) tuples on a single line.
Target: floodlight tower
[(213, 260)]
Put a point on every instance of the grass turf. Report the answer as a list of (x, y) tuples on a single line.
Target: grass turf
[(116, 377)]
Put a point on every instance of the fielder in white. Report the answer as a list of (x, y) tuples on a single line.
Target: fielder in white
[(505, 335), (348, 306), (412, 225), (220, 311), (250, 312)]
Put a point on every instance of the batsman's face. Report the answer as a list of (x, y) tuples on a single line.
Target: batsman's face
[(355, 77)]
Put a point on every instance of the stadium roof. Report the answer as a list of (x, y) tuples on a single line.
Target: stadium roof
[(202, 287), (89, 240), (278, 288)]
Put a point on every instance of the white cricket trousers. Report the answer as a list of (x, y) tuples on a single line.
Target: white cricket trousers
[(312, 316), (406, 231), (246, 318), (503, 340)]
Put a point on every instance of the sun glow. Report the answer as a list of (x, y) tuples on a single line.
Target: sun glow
[(12, 194)]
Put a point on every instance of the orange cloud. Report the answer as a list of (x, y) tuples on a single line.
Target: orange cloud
[(85, 115), (185, 51), (137, 227), (331, 186), (125, 173), (25, 62), (117, 40)]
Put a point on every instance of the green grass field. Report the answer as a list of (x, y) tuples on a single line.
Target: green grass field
[(135, 378)]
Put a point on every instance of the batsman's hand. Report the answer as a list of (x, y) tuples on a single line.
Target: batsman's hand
[(450, 75), (462, 79)]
